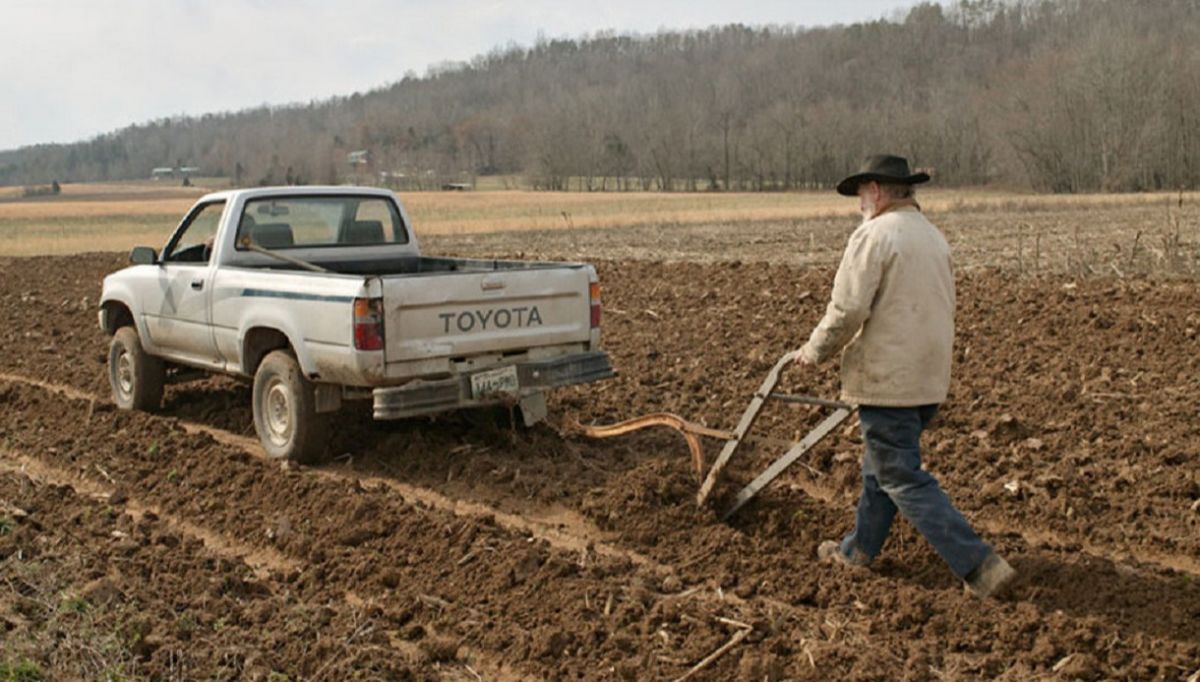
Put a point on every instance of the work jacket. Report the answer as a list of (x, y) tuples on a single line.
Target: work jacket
[(892, 309)]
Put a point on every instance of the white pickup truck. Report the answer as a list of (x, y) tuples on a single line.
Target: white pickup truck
[(321, 295)]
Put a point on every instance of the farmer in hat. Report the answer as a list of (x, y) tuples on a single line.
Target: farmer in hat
[(892, 311)]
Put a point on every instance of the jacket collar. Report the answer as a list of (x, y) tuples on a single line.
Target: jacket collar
[(899, 205)]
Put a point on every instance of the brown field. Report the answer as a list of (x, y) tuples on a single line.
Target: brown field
[(1134, 232), (166, 547)]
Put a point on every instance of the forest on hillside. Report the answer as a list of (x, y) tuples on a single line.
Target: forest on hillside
[(1051, 95)]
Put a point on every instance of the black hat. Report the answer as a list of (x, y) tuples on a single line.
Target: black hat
[(881, 168)]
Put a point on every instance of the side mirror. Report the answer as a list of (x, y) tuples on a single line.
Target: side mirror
[(143, 255)]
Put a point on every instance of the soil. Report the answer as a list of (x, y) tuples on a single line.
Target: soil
[(448, 547)]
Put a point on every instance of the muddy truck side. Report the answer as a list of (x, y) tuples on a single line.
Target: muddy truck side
[(320, 295)]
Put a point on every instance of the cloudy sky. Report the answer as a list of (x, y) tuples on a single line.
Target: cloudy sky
[(73, 70)]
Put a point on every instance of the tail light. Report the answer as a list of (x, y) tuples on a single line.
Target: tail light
[(368, 323), (594, 291)]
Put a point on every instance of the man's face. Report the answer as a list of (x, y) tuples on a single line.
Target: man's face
[(868, 199)]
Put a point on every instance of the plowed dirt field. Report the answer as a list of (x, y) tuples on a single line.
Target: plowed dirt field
[(167, 546)]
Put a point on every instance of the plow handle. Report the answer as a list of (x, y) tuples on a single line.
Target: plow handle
[(743, 427)]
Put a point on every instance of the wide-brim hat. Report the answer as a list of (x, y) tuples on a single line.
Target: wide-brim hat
[(881, 168)]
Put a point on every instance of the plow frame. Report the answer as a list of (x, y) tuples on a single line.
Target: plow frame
[(692, 432)]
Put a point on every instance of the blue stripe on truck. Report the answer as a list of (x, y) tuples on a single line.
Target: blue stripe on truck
[(294, 295)]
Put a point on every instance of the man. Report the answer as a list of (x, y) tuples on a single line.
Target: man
[(892, 310)]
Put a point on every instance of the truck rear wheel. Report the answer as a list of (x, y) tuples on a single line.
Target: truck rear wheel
[(285, 411), (136, 377)]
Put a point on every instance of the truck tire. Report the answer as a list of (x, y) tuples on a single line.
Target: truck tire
[(285, 411), (136, 377)]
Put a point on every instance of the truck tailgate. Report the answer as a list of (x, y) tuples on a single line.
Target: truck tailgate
[(466, 313)]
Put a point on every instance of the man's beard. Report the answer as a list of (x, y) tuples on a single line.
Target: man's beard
[(868, 209)]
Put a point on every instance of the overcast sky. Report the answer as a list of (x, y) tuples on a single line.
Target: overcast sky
[(72, 70)]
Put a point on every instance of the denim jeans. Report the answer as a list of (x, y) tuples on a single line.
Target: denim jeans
[(893, 480)]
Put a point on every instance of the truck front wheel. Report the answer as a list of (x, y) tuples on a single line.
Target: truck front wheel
[(136, 377), (285, 411)]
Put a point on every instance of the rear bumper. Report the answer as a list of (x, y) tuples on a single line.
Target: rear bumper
[(428, 397)]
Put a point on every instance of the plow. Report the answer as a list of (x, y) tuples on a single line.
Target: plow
[(692, 433)]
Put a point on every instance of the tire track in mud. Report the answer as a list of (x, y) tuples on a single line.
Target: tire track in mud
[(99, 590), (580, 538), (61, 389), (570, 533), (265, 562)]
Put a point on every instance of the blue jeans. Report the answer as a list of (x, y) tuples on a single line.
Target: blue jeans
[(893, 480)]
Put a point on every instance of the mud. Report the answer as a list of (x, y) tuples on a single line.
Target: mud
[(94, 592), (1066, 439)]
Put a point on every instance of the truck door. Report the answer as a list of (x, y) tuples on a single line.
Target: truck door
[(177, 309)]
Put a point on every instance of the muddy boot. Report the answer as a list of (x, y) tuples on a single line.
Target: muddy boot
[(991, 577), (830, 552)]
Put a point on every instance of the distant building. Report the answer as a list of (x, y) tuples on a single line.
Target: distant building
[(357, 158), (170, 172)]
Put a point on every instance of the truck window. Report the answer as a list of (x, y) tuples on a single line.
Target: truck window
[(193, 241), (321, 221), (373, 223)]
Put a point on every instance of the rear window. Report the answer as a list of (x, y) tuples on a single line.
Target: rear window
[(320, 221)]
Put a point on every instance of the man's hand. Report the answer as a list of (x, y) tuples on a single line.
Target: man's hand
[(804, 356)]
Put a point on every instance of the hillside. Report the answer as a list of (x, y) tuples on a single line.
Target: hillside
[(1051, 95)]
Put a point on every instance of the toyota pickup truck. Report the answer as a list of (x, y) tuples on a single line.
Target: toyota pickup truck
[(320, 295)]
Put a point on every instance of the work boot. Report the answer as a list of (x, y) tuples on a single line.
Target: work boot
[(830, 552), (991, 577)]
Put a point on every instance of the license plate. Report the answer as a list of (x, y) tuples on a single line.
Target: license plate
[(491, 382)]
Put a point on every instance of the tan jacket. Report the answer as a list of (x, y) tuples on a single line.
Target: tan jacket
[(893, 303)]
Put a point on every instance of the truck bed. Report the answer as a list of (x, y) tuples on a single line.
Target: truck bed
[(414, 265)]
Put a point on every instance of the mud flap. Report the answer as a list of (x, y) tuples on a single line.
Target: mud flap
[(533, 408), (328, 398)]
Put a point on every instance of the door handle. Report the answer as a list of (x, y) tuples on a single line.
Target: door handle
[(197, 284)]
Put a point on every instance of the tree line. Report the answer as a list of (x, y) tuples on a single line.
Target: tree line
[(1054, 95)]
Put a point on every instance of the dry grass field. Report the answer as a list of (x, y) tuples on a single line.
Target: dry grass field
[(1115, 234), (117, 217)]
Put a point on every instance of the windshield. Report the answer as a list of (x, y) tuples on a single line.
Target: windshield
[(318, 221)]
